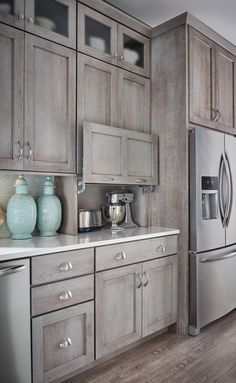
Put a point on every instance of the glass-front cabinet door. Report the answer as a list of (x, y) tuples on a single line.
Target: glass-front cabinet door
[(12, 13), (97, 35), (52, 19), (133, 51)]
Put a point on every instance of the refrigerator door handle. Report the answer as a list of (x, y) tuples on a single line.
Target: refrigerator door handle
[(219, 258), (221, 203), (230, 189)]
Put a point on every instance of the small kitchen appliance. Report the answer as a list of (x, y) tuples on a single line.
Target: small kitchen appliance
[(123, 199), (90, 220)]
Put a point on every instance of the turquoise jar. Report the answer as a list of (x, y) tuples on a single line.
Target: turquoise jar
[(48, 210), (21, 211)]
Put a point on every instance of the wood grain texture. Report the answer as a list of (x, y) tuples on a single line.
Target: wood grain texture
[(210, 357), (50, 362), (169, 203), (48, 297), (46, 268), (11, 97)]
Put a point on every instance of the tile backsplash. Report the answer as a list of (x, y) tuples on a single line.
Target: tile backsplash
[(7, 181)]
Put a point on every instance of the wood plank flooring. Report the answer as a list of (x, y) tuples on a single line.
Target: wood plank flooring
[(207, 358)]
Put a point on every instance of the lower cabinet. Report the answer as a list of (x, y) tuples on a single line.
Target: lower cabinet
[(133, 302), (62, 341)]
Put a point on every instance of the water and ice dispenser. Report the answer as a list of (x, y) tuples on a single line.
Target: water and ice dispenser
[(210, 196)]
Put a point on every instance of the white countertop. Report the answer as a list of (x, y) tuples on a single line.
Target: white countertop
[(13, 249)]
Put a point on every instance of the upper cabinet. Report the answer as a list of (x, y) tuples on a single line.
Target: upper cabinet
[(53, 19), (119, 156), (103, 38), (211, 83)]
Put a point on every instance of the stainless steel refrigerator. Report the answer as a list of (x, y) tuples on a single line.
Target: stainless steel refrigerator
[(212, 226)]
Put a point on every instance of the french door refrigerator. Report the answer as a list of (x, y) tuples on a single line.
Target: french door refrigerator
[(212, 226)]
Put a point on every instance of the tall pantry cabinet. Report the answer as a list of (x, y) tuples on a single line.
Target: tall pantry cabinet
[(193, 84)]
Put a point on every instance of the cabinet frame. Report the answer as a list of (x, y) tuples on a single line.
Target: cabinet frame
[(15, 20)]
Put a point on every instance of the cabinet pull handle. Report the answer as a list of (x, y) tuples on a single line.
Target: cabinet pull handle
[(108, 179), (20, 156), (161, 247), (140, 280), (218, 115), (140, 180), (147, 279), (65, 266), (65, 343), (30, 20), (29, 157), (120, 256), (20, 16), (215, 114), (65, 295)]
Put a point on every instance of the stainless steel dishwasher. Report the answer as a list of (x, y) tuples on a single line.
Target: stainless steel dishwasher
[(15, 343)]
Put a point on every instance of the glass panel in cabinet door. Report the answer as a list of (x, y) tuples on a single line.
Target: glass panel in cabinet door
[(97, 35), (12, 12), (133, 51), (52, 15)]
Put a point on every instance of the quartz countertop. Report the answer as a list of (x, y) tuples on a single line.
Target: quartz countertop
[(14, 249)]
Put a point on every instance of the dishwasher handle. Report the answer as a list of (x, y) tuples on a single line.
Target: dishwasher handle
[(11, 270), (219, 258)]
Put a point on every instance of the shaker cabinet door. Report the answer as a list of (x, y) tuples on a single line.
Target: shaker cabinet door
[(133, 102), (62, 342), (96, 95), (159, 308), (224, 89), (11, 97), (201, 84), (50, 89), (118, 308), (53, 19)]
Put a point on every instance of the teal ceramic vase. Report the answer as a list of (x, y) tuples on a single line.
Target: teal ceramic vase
[(21, 211), (48, 210)]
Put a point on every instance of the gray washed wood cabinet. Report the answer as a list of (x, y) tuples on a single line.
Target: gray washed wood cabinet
[(11, 97), (15, 16), (50, 100), (211, 83), (113, 155), (103, 38), (62, 341)]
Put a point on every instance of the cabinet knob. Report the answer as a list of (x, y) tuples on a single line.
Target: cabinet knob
[(65, 266), (65, 343), (122, 58), (65, 295), (30, 20), (147, 278), (20, 155), (29, 157), (139, 276), (120, 256), (115, 55), (161, 247), (20, 16)]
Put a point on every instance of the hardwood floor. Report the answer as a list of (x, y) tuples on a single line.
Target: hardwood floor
[(210, 357)]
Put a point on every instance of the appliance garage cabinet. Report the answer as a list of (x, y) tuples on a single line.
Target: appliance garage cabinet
[(89, 303)]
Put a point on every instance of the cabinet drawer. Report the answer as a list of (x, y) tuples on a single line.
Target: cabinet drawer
[(108, 257), (164, 246), (53, 267), (62, 294), (63, 342)]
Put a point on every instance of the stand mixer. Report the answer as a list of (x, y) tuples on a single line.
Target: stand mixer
[(119, 200)]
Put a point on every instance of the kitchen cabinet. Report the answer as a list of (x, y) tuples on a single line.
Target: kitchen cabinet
[(211, 83), (103, 38), (159, 286), (52, 19), (11, 97), (62, 342), (118, 308), (113, 155), (133, 102), (49, 106)]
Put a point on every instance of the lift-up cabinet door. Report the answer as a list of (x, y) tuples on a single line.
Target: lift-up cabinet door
[(113, 155)]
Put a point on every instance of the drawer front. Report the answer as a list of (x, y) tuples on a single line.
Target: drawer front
[(164, 246), (62, 294), (63, 342), (108, 257), (58, 266)]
